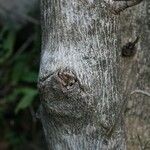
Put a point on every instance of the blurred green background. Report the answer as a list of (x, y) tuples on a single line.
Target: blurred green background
[(19, 65)]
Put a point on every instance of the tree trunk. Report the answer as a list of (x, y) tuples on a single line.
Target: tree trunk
[(80, 80), (136, 22)]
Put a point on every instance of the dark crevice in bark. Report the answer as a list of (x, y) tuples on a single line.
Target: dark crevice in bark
[(129, 49)]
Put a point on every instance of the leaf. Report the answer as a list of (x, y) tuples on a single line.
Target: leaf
[(13, 96), (18, 71), (26, 100), (22, 72), (9, 42), (7, 45), (30, 77)]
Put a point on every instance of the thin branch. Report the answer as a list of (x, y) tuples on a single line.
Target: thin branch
[(18, 15), (117, 6), (140, 142), (141, 92), (23, 47)]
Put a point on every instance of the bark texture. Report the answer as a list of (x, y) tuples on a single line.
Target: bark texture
[(136, 22), (80, 79)]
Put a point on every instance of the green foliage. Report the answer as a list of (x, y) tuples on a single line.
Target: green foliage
[(20, 71), (27, 98), (6, 46), (19, 63), (13, 139)]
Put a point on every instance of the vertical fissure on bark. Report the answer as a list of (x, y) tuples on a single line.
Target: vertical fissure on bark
[(80, 76)]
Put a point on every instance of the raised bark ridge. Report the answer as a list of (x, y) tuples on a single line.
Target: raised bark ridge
[(117, 6)]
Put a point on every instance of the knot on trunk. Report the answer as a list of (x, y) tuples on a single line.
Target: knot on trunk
[(63, 95), (67, 79)]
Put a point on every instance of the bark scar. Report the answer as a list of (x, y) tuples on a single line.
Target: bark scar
[(67, 78), (117, 6)]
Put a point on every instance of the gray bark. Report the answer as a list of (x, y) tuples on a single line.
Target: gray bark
[(80, 81), (137, 76)]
